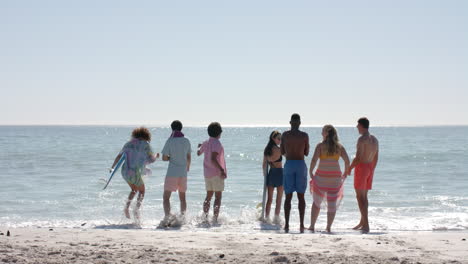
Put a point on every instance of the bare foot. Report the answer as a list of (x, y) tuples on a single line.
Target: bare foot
[(127, 213), (205, 218), (136, 215), (301, 229), (328, 230), (182, 217), (277, 220), (358, 227), (286, 229), (311, 228), (365, 230)]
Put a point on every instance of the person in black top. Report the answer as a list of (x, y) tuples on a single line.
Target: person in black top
[(272, 157)]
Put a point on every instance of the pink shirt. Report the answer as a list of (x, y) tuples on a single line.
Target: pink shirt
[(208, 147)]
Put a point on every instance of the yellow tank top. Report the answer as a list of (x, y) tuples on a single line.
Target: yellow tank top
[(326, 156)]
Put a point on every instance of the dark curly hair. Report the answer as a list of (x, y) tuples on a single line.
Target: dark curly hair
[(141, 133), (214, 129)]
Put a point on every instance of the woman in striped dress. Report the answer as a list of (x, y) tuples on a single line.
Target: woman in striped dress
[(327, 181)]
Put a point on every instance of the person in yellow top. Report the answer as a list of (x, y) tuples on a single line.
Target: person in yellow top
[(327, 181)]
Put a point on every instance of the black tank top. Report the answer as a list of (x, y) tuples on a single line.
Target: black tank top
[(279, 160)]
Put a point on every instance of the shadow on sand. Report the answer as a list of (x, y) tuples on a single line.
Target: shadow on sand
[(269, 227)]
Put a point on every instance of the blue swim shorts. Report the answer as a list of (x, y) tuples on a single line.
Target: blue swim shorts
[(295, 176)]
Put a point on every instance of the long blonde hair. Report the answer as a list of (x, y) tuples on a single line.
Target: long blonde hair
[(331, 141)]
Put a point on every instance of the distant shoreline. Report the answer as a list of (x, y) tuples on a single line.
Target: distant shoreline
[(226, 126)]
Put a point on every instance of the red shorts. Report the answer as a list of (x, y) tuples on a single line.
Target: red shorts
[(363, 176)]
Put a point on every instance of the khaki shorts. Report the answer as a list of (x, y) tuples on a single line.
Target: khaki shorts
[(215, 184)]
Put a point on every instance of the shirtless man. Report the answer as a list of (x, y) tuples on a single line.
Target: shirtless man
[(367, 155), (294, 146)]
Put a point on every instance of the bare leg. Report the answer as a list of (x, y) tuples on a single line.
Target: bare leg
[(167, 203), (206, 204), (363, 203), (279, 199), (358, 226), (361, 223), (268, 203), (302, 205), (366, 228), (183, 203), (313, 217), (141, 196), (330, 218), (129, 200), (287, 211), (217, 205)]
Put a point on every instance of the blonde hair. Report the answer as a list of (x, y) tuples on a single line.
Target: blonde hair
[(331, 142)]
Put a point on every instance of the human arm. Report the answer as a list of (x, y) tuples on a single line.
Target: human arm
[(214, 159), (166, 151), (345, 157), (200, 149), (314, 160), (189, 161), (282, 148), (376, 157), (358, 157), (307, 146), (115, 161), (152, 157), (264, 165)]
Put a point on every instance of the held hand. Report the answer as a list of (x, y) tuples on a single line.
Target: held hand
[(111, 170), (347, 172), (199, 145), (223, 174)]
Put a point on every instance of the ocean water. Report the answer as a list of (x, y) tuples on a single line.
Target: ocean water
[(52, 176)]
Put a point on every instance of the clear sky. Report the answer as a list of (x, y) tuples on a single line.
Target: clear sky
[(237, 62)]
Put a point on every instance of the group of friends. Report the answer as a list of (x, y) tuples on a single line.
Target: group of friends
[(326, 184)]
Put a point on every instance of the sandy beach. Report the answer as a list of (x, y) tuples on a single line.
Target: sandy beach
[(59, 245)]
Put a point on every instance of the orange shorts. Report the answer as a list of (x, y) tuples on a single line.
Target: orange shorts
[(174, 184), (363, 176)]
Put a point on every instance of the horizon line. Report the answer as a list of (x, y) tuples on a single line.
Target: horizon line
[(228, 125)]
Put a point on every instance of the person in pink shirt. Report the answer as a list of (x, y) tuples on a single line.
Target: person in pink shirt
[(214, 167)]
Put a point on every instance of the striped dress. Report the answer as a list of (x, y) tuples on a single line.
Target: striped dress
[(328, 183)]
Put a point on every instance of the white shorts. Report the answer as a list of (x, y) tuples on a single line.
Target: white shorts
[(215, 184)]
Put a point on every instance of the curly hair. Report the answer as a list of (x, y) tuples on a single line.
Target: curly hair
[(331, 141), (141, 133), (214, 129)]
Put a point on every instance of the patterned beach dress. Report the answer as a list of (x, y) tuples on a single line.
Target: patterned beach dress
[(138, 154), (327, 183)]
